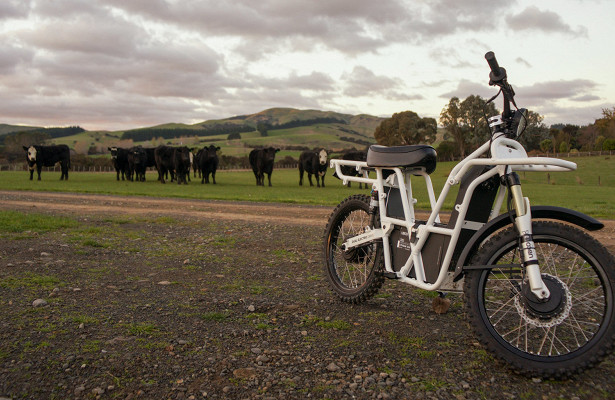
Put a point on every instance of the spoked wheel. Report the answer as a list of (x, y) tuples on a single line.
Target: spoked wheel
[(355, 274), (572, 330)]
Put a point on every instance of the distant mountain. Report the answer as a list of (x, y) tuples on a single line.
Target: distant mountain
[(287, 128), (5, 128)]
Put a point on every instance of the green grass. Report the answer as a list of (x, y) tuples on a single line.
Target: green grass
[(14, 221), (577, 190), (215, 316), (31, 280), (141, 329)]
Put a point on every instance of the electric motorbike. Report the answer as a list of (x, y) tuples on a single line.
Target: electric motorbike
[(537, 288)]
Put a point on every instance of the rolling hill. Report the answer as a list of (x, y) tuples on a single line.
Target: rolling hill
[(288, 129)]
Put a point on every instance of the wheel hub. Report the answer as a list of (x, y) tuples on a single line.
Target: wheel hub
[(545, 309), (545, 313), (356, 254)]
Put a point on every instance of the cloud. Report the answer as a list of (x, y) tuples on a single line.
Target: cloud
[(586, 98), (14, 9), (523, 62), (362, 82), (467, 88), (572, 115), (546, 21), (555, 90), (11, 57)]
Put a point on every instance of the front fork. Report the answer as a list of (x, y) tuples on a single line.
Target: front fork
[(523, 222)]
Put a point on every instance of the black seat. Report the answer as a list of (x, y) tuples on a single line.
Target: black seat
[(402, 156)]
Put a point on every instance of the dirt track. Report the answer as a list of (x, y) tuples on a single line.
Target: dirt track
[(80, 204), (225, 300)]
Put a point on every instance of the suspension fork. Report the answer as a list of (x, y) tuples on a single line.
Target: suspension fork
[(523, 223)]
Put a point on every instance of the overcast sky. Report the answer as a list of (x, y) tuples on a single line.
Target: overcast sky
[(120, 64)]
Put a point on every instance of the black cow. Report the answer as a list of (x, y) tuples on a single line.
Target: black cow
[(48, 156), (313, 162), (119, 156), (197, 165), (208, 162), (262, 161), (353, 155), (164, 161), (151, 158), (181, 163), (137, 163)]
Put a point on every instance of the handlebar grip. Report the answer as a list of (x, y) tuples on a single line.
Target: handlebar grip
[(497, 73), (493, 63)]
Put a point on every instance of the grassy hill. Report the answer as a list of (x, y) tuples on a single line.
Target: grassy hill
[(5, 128), (287, 128)]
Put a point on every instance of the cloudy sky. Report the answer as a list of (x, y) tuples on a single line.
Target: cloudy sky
[(120, 64)]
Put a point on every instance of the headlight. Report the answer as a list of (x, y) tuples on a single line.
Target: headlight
[(519, 122)]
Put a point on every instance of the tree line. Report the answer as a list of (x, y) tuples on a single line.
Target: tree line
[(465, 128)]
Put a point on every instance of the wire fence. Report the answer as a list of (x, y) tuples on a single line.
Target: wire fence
[(101, 168)]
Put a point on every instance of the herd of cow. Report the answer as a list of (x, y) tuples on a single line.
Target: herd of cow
[(131, 164)]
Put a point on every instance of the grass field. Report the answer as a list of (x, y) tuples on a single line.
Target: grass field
[(578, 190)]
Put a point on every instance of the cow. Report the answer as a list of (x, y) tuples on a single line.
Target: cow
[(151, 158), (119, 157), (353, 155), (181, 163), (190, 164), (48, 156), (197, 165), (208, 162), (313, 162), (137, 163), (164, 161), (261, 161)]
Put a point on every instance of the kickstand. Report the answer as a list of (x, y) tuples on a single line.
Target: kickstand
[(441, 304)]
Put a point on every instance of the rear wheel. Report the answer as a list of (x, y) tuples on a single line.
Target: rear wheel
[(566, 334), (356, 274)]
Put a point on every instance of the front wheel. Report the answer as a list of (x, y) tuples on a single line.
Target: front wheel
[(564, 335), (356, 274)]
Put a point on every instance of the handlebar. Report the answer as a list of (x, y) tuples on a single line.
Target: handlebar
[(498, 74), (497, 77)]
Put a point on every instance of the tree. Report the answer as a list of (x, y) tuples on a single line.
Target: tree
[(563, 147), (608, 144), (535, 132), (14, 143), (262, 128), (451, 119), (599, 142), (473, 110), (606, 124), (465, 121), (546, 145), (234, 135), (406, 128), (446, 150), (571, 133)]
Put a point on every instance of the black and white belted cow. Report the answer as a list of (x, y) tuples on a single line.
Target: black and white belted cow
[(48, 156), (314, 163)]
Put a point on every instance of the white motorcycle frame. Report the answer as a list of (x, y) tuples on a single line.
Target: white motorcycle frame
[(507, 155)]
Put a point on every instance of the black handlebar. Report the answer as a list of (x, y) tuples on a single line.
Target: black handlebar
[(498, 78), (498, 74)]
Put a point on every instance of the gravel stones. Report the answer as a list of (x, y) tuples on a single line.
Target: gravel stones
[(39, 303)]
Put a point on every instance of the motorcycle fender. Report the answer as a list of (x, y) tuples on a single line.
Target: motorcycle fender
[(503, 220)]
